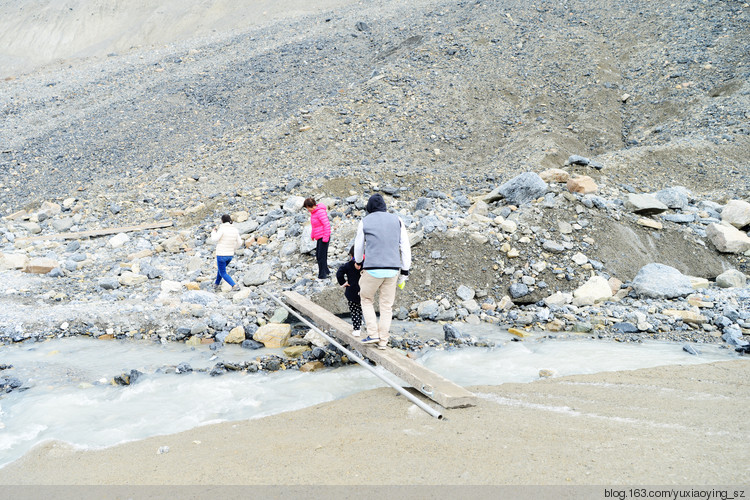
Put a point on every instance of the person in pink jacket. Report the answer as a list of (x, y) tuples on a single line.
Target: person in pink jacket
[(321, 233), (227, 240)]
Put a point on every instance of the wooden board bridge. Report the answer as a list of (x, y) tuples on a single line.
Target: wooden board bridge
[(436, 387)]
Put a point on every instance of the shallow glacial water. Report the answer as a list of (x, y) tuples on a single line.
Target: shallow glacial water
[(70, 397)]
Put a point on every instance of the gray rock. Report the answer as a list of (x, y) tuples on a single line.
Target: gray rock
[(217, 321), (428, 309), (523, 188), (109, 283), (625, 327), (246, 227), (465, 293), (62, 225), (462, 201), (257, 274), (731, 279), (56, 273), (578, 160), (306, 243), (679, 218), (280, 315), (423, 204), (251, 344), (150, 271), (78, 257), (272, 216), (644, 204), (733, 336), (198, 297), (690, 349), (431, 223), (183, 368), (291, 185), (674, 197), (452, 334), (658, 281), (553, 246), (518, 290), (198, 328)]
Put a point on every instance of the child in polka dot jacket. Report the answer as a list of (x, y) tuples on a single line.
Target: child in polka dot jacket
[(348, 276)]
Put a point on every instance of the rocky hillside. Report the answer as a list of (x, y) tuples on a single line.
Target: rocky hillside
[(628, 124)]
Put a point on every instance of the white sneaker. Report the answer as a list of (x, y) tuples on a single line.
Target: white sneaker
[(356, 333)]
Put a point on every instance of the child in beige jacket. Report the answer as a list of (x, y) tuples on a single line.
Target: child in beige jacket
[(227, 240)]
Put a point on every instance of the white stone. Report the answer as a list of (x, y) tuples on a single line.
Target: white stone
[(118, 240), (509, 226), (171, 286), (294, 203), (731, 279), (727, 238), (129, 278), (579, 259), (558, 299), (736, 213), (13, 261), (596, 289)]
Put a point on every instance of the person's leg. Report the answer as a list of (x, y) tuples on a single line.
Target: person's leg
[(222, 269), (356, 310), (367, 288), (324, 258), (222, 263), (387, 297), (321, 256)]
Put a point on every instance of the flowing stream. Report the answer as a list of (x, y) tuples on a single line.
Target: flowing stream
[(70, 397)]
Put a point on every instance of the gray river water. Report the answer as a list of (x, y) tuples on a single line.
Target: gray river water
[(70, 397)]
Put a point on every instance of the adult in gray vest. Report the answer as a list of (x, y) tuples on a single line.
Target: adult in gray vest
[(382, 251)]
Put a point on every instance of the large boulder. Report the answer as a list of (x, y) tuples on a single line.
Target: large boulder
[(727, 238), (306, 243), (674, 197), (658, 281), (736, 213), (523, 188), (731, 278)]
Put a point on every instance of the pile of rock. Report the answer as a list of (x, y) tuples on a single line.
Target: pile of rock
[(555, 252)]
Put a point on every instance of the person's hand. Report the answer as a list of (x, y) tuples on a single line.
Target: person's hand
[(401, 282), (345, 285)]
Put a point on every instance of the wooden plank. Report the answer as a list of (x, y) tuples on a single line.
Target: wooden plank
[(436, 387), (98, 232)]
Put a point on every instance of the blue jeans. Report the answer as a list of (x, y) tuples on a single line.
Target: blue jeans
[(221, 263)]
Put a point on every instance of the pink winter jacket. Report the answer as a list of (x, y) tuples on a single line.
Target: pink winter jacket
[(321, 227)]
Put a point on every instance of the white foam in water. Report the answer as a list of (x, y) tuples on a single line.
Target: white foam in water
[(522, 361), (67, 402)]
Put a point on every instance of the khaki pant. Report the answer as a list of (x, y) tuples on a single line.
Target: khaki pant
[(368, 286)]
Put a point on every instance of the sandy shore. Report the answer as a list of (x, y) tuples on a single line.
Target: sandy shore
[(674, 425)]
